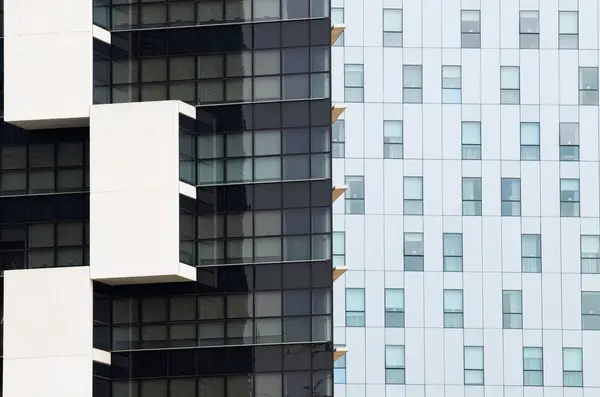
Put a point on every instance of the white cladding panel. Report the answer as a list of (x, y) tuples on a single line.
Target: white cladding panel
[(48, 332), (134, 193), (48, 79)]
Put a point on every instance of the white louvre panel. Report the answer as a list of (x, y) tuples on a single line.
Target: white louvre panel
[(47, 62), (48, 332), (134, 193)]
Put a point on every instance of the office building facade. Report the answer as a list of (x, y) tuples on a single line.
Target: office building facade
[(166, 198), (471, 223)]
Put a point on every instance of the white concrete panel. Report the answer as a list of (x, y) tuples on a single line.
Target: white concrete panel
[(34, 17), (128, 246), (57, 302), (36, 68)]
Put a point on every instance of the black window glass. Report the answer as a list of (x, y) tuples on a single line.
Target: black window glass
[(267, 277), (296, 303), (296, 195), (297, 384), (296, 140), (295, 60), (296, 275), (267, 35), (296, 221), (267, 358), (267, 196), (296, 357), (295, 114), (295, 9)]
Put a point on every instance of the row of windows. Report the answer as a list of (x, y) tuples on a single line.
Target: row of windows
[(510, 87), (124, 15), (181, 309), (393, 140), (569, 196), (276, 384), (276, 155), (44, 245), (473, 361), (529, 28), (285, 61), (293, 329), (238, 90), (296, 221), (453, 303), (531, 252)]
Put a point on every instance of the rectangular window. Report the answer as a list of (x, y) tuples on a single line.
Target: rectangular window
[(568, 29), (393, 139), (339, 249), (355, 195), (339, 369), (413, 252), (451, 84), (529, 28), (569, 197), (453, 308), (512, 310), (338, 138), (413, 195), (470, 27), (533, 368), (354, 81), (392, 27), (510, 85), (337, 17), (471, 196), (473, 365), (355, 307), (412, 84), (394, 365), (531, 253), (590, 310), (588, 86), (394, 308), (569, 141), (471, 140), (511, 197), (453, 252), (530, 141), (590, 254), (572, 367)]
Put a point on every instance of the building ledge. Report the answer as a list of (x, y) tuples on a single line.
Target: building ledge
[(337, 191), (336, 112), (186, 273), (339, 352), (336, 32), (338, 271)]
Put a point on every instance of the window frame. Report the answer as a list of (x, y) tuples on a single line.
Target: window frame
[(409, 89), (466, 34), (529, 262), (452, 262), (394, 310), (413, 205), (467, 148), (525, 36), (415, 256), (359, 315), (393, 34), (453, 317), (510, 205), (393, 369), (476, 203), (527, 371), (566, 203), (509, 313)]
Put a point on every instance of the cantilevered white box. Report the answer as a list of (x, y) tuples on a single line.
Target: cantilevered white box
[(48, 331), (48, 62), (135, 191)]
